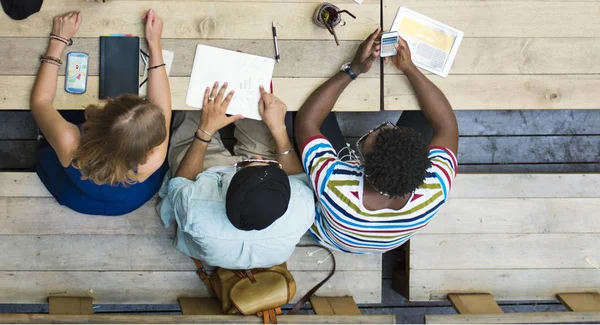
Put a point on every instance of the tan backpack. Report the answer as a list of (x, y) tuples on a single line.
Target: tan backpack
[(257, 291)]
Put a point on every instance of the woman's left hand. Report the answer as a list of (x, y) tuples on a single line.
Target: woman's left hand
[(154, 27), (67, 25)]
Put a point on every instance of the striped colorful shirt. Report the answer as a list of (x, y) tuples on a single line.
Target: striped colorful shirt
[(343, 223)]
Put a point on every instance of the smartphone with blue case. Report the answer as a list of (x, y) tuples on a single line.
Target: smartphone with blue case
[(77, 72)]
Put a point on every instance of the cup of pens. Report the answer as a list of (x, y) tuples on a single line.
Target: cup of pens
[(328, 16)]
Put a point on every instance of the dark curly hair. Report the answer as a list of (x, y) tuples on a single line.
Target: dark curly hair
[(397, 163)]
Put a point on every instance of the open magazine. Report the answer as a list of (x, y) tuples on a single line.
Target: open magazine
[(433, 45)]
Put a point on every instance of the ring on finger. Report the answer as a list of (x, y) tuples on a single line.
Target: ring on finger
[(211, 98)]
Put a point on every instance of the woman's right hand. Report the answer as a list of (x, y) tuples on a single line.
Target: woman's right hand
[(154, 27), (67, 25), (214, 107)]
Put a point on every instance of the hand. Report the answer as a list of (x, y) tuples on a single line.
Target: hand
[(272, 110), (214, 107), (402, 60), (67, 25), (154, 27), (366, 54)]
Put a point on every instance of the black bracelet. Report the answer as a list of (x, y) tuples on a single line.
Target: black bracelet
[(68, 42), (199, 138), (157, 66)]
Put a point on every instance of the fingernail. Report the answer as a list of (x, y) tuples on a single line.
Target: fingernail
[(261, 87), (225, 84)]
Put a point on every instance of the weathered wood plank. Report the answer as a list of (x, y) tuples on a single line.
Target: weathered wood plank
[(532, 168), (27, 184), (362, 95), (475, 303), (515, 284), (213, 20), (506, 18), (516, 318), (527, 122), (140, 253), (488, 122), (489, 92), (299, 58), (526, 186), (515, 216), (502, 251), (70, 306), (17, 126), (192, 319), (18, 154), (164, 287), (524, 55), (200, 306), (580, 302), (534, 149)]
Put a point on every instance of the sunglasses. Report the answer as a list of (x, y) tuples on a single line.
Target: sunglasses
[(247, 162), (362, 139)]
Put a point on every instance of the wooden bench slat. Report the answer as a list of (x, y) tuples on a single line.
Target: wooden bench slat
[(361, 95), (475, 303), (192, 319), (477, 92), (516, 216), (27, 184), (214, 19), (141, 253), (515, 284), (526, 185), (580, 302), (510, 19), (503, 251), (70, 306), (164, 287), (516, 318)]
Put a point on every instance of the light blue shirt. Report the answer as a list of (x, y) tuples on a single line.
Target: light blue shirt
[(204, 231)]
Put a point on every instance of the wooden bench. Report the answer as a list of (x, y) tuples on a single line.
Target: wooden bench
[(51, 251), (515, 236), (482, 309)]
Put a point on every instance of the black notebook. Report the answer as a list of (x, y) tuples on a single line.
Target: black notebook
[(119, 66)]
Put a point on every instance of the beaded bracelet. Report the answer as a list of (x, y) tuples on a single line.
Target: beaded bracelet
[(50, 61), (51, 58), (69, 42)]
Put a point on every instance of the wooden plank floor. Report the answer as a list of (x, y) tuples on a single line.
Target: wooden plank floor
[(517, 237)]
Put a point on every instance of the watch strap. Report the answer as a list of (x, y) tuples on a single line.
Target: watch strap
[(348, 71)]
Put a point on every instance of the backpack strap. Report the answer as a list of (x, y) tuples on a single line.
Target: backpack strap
[(312, 291), (203, 276)]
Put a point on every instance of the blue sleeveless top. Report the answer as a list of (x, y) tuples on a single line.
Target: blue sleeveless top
[(87, 197)]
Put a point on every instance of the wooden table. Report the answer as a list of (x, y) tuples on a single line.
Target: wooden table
[(515, 55), (309, 53)]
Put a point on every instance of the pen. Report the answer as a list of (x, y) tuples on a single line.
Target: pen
[(277, 56)]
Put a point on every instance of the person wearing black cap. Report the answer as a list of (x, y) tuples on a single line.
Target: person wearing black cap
[(245, 211)]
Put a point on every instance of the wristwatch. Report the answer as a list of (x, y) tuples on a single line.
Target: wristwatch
[(346, 69)]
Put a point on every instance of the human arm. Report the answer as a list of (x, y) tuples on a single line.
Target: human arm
[(272, 110), (213, 119), (319, 104), (62, 135), (159, 91), (433, 103)]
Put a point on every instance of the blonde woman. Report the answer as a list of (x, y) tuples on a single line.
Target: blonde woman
[(114, 162)]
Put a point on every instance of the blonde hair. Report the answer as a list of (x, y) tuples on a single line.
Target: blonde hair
[(116, 139)]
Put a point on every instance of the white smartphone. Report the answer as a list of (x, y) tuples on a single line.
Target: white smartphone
[(77, 72), (388, 40)]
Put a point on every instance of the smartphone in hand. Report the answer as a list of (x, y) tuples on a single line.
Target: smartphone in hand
[(388, 41)]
